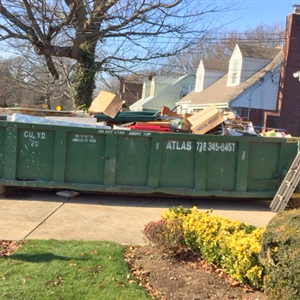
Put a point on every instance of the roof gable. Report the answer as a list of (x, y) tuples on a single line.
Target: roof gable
[(218, 93)]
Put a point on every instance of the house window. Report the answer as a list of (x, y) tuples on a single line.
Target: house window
[(234, 75), (185, 89)]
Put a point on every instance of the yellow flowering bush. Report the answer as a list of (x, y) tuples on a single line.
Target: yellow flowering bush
[(231, 244)]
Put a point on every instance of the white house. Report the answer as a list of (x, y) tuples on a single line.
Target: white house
[(250, 82), (163, 91)]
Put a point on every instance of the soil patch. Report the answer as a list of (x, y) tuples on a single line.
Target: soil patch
[(184, 277)]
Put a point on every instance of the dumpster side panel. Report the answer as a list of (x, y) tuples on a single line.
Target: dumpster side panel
[(216, 163), (132, 161), (267, 162), (221, 171), (35, 154), (177, 167), (85, 158), (2, 158), (263, 166), (117, 161)]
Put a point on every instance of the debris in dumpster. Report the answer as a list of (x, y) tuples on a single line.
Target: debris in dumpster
[(129, 116), (275, 133), (41, 112), (205, 120), (237, 127), (41, 120), (150, 127), (106, 103), (165, 111)]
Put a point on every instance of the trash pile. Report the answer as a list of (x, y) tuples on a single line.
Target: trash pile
[(107, 108), (107, 112)]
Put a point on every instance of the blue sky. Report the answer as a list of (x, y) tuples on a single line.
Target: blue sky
[(251, 13), (248, 14)]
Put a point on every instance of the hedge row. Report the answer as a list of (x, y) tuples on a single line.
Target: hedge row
[(232, 245)]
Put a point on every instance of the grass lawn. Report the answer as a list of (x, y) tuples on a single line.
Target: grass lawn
[(51, 269)]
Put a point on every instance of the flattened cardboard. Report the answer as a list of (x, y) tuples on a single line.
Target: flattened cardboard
[(107, 103), (205, 120), (185, 122), (165, 111)]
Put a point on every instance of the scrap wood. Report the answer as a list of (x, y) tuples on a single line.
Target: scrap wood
[(158, 123)]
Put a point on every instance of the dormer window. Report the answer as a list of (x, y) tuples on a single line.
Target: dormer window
[(235, 73)]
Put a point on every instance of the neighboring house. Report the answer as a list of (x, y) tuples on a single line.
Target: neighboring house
[(131, 89), (250, 82), (161, 91), (258, 84)]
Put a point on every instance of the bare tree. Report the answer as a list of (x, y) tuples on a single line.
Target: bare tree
[(106, 35), (25, 80), (219, 46)]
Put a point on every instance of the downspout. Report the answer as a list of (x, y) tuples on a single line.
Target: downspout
[(275, 113), (260, 81), (249, 107)]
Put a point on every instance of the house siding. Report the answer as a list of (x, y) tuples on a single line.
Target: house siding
[(250, 66), (170, 95), (210, 77), (260, 96)]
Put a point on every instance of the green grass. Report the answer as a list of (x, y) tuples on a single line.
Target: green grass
[(51, 269)]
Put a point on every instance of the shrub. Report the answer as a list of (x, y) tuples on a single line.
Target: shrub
[(164, 233), (280, 254), (232, 245)]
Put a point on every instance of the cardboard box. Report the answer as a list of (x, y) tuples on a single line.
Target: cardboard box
[(165, 111), (107, 103), (185, 123), (205, 120)]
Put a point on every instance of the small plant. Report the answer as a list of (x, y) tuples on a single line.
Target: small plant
[(164, 233), (82, 107)]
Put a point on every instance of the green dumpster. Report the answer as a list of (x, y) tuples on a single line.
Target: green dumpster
[(135, 162)]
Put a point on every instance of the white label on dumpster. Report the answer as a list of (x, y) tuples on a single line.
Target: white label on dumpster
[(200, 146), (215, 146), (84, 138), (34, 137), (179, 145)]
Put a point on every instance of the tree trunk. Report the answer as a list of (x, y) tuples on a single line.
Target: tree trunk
[(83, 77)]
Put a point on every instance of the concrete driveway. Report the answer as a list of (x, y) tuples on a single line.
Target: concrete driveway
[(31, 214)]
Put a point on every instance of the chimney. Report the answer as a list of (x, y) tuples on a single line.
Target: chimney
[(296, 9), (289, 87)]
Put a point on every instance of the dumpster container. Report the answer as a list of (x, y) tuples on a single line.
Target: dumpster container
[(136, 162)]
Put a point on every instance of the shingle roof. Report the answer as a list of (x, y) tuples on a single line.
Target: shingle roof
[(215, 65), (219, 93), (257, 51)]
